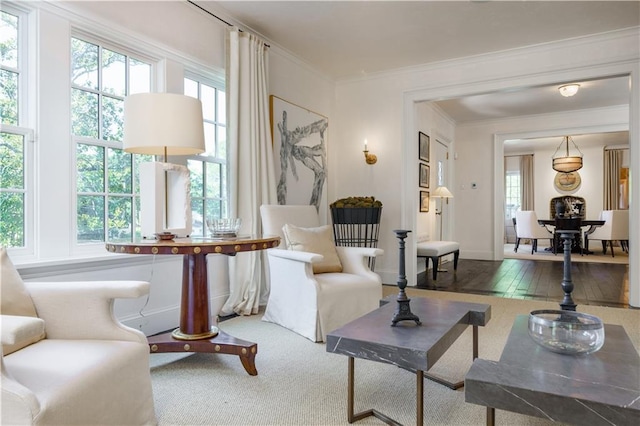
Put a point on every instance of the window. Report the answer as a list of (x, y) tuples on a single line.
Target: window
[(106, 177), (16, 159), (208, 171), (512, 194)]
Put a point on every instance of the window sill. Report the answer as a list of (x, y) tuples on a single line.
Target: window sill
[(48, 268)]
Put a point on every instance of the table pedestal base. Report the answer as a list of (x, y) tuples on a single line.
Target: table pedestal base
[(222, 343)]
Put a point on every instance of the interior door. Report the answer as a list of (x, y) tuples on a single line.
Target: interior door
[(442, 179)]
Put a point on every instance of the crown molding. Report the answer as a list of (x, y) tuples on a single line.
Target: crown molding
[(631, 35)]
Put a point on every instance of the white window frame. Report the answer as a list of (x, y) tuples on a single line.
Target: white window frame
[(98, 247), (200, 79), (24, 128)]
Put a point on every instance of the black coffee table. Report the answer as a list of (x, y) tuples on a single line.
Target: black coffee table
[(602, 388), (407, 345)]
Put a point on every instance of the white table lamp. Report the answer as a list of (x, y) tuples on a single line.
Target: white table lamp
[(164, 124)]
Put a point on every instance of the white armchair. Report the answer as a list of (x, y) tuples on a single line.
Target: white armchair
[(314, 304), (66, 360)]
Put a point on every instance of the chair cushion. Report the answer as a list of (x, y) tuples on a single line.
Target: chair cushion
[(15, 297), (314, 240), (436, 248), (19, 332)]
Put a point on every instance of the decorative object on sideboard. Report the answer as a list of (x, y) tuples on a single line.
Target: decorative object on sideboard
[(571, 161), (163, 124)]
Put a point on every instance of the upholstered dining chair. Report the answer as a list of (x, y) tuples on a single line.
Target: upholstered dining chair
[(615, 228), (315, 287), (527, 227)]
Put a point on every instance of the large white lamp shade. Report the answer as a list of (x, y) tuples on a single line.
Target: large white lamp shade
[(163, 124)]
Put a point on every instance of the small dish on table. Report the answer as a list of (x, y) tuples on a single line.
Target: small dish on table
[(566, 332)]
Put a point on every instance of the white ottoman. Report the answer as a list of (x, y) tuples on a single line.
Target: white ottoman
[(435, 249)]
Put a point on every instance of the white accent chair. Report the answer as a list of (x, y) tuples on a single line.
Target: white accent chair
[(615, 228), (66, 360), (527, 227), (309, 304)]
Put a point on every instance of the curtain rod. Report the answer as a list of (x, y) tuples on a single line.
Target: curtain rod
[(215, 16)]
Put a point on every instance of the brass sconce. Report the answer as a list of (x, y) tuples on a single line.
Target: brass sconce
[(369, 158)]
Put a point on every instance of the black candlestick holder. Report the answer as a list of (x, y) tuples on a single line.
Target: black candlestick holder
[(403, 310), (567, 284)]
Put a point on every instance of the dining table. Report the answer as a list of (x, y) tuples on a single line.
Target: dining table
[(588, 225)]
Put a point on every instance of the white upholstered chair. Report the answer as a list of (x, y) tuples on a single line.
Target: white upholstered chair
[(314, 304), (615, 228), (66, 360), (527, 227)]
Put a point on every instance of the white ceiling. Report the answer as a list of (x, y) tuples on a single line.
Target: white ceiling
[(347, 39)]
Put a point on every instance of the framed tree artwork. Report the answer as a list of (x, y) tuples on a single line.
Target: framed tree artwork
[(424, 201), (423, 146), (300, 149), (423, 179)]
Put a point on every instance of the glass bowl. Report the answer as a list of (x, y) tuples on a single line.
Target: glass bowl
[(566, 332), (224, 228)]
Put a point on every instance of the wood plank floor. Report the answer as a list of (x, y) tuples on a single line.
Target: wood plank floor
[(602, 284)]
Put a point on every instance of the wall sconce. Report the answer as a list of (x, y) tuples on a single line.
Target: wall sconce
[(369, 158)]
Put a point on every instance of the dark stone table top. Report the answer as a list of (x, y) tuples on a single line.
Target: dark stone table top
[(407, 345), (598, 388)]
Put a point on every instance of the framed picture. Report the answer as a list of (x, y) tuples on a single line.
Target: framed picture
[(423, 179), (424, 201), (300, 150), (423, 146)]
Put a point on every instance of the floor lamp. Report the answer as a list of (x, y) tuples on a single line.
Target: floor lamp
[(441, 192), (164, 124)]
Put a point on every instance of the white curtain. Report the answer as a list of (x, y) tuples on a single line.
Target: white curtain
[(613, 159), (252, 179)]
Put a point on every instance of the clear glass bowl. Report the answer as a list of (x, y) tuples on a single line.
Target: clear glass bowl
[(225, 228), (566, 332)]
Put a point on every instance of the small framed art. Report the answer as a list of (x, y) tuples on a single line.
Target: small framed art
[(423, 146), (424, 201), (423, 178)]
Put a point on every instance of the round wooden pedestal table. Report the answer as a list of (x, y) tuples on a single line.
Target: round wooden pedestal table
[(197, 332)]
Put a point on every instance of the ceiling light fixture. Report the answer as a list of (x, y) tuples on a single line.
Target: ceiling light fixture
[(567, 163), (569, 90)]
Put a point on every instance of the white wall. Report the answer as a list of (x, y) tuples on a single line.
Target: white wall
[(387, 103)]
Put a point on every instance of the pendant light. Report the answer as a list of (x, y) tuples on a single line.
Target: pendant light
[(567, 163)]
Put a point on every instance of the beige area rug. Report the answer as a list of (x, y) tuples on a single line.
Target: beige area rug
[(524, 252), (299, 383)]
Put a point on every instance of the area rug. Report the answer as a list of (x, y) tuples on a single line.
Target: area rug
[(524, 252), (299, 383)]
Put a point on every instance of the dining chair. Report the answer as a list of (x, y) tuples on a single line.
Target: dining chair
[(615, 228), (528, 228)]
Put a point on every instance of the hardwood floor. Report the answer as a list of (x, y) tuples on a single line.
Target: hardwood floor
[(602, 284)]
